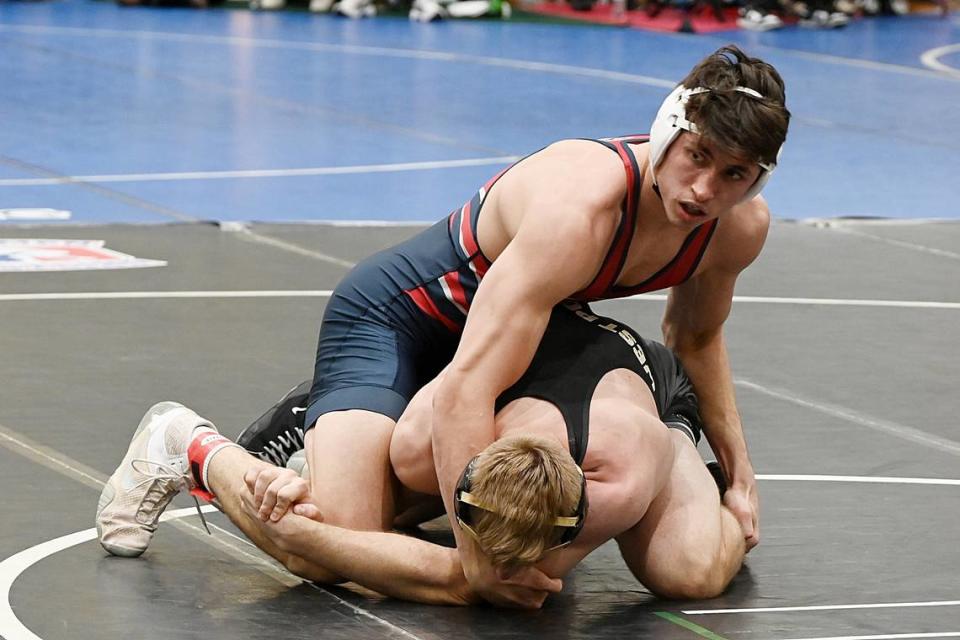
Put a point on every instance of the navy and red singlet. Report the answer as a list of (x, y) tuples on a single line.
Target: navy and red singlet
[(394, 322)]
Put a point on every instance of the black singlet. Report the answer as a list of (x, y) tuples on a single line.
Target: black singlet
[(578, 349)]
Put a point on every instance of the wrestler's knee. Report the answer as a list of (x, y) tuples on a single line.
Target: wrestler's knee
[(689, 588), (687, 572), (688, 581)]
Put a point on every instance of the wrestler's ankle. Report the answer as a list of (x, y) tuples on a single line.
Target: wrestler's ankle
[(206, 452)]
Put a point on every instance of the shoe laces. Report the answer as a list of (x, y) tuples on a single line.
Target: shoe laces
[(165, 482), (284, 445)]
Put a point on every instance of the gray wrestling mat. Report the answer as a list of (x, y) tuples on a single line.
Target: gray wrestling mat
[(844, 345)]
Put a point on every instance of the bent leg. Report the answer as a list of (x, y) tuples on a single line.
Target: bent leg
[(350, 477), (687, 546)]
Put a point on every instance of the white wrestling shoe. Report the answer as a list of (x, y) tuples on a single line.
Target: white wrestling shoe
[(267, 5), (154, 470), (321, 6), (355, 9)]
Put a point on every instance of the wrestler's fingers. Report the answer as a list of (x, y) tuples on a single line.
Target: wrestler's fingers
[(264, 478), (270, 496), (519, 598), (754, 539), (250, 479), (548, 585), (308, 510), (246, 501), (533, 578), (288, 494)]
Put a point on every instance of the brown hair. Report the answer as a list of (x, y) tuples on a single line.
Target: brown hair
[(528, 482), (745, 126)]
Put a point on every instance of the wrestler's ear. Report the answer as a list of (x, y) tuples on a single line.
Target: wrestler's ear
[(308, 510), (505, 572)]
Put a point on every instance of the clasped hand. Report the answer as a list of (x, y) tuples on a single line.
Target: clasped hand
[(521, 588), (275, 490)]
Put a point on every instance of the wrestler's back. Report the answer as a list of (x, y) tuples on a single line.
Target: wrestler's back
[(623, 416)]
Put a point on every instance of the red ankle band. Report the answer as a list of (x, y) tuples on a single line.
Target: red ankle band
[(202, 448)]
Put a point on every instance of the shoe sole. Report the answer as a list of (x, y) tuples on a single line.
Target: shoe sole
[(108, 494)]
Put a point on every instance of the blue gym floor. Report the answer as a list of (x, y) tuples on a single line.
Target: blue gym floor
[(146, 115)]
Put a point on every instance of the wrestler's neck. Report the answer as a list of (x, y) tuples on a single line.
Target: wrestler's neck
[(532, 417), (652, 219)]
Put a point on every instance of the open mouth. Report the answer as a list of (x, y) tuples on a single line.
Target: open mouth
[(693, 210)]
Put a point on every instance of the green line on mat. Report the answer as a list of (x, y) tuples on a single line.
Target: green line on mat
[(686, 624)]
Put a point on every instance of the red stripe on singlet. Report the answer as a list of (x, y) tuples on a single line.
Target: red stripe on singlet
[(481, 264), (470, 246), (452, 279), (422, 299), (490, 182), (469, 241), (683, 265), (613, 262)]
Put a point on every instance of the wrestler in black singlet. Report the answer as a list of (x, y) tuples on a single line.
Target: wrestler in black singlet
[(578, 349)]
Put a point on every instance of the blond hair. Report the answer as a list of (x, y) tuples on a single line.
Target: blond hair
[(527, 482)]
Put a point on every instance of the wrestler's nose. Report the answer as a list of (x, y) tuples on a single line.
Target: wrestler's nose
[(703, 186)]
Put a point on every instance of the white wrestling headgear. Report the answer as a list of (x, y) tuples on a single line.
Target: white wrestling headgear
[(672, 118)]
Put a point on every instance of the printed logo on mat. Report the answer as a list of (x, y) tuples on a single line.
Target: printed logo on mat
[(34, 214), (18, 254)]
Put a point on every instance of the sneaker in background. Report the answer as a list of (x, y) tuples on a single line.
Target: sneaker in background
[(837, 19), (816, 20), (355, 9), (267, 5), (753, 20)]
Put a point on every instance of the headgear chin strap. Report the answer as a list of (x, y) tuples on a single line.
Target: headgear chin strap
[(672, 118)]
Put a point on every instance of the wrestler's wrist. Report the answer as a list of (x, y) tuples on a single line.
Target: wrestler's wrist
[(292, 537), (739, 475)]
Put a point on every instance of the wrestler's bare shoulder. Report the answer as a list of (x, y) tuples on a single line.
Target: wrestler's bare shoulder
[(623, 426), (572, 180), (569, 168), (740, 236)]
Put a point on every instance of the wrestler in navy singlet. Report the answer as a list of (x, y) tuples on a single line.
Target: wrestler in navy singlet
[(578, 349), (395, 320)]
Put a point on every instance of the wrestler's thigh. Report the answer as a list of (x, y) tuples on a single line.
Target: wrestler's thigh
[(680, 536), (350, 477)]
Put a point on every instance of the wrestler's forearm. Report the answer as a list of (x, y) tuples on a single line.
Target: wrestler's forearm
[(389, 563), (708, 366), (225, 476), (460, 431)]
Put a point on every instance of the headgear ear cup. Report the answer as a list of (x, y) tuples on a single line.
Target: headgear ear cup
[(665, 130), (763, 178), (672, 118)]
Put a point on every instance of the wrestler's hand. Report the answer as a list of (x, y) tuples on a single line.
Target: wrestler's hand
[(525, 588), (283, 532), (744, 502), (275, 490)]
